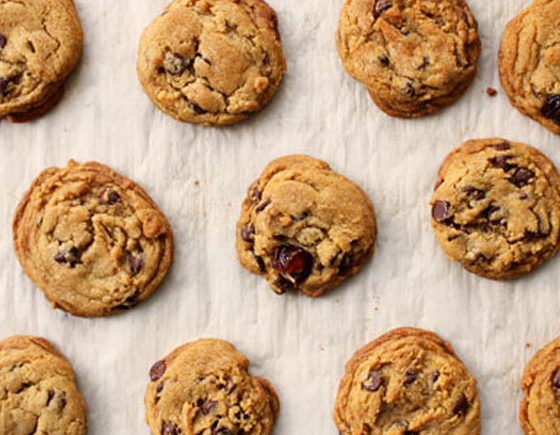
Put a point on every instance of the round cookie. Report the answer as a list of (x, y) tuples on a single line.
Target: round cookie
[(496, 208), (92, 240), (540, 408), (414, 56), (38, 393), (204, 387), (40, 44), (529, 63), (408, 381), (212, 62), (305, 227)]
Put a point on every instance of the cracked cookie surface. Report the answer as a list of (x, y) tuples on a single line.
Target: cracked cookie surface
[(529, 62), (204, 388), (414, 56), (38, 393), (40, 44), (540, 408), (92, 240), (496, 208), (407, 382), (304, 226), (212, 62)]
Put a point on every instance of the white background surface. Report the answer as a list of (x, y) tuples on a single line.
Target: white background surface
[(300, 344)]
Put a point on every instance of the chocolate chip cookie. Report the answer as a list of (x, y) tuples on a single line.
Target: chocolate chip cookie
[(204, 387), (212, 62), (414, 56), (408, 381), (305, 227), (92, 240), (38, 393), (540, 408), (496, 208), (40, 44), (529, 62)]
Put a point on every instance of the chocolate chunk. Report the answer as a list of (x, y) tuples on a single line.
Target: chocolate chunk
[(373, 382), (556, 379), (490, 211), (262, 206), (501, 162), (136, 264), (169, 429), (248, 233), (3, 86), (71, 256), (208, 406), (174, 63), (260, 262), (425, 63), (3, 40), (283, 285), (292, 260), (409, 377), (157, 370), (504, 146), (521, 177), (346, 263), (199, 110), (462, 405), (551, 108), (440, 211), (60, 257), (381, 6), (384, 60), (478, 194)]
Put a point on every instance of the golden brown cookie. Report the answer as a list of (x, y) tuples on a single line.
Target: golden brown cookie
[(38, 393), (204, 387), (414, 56), (406, 382), (496, 208), (40, 44), (529, 63), (212, 62), (305, 227), (92, 240), (540, 408)]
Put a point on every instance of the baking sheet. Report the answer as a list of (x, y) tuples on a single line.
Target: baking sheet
[(199, 176)]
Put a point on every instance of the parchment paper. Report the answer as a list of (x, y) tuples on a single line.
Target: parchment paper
[(199, 176)]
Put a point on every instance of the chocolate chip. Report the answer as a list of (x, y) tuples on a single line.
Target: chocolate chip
[(551, 108), (199, 110), (556, 379), (478, 194), (381, 6), (260, 262), (3, 86), (440, 211), (283, 285), (435, 376), (292, 260), (425, 63), (346, 263), (157, 370), (256, 194), (409, 377), (262, 205), (159, 388), (208, 406), (60, 257), (71, 256), (3, 40), (410, 432), (229, 387), (50, 395), (222, 431), (522, 176), (248, 233), (174, 63), (61, 402), (373, 382), (409, 90), (489, 211), (136, 264), (462, 405), (384, 60), (109, 197), (501, 162), (169, 429), (504, 146)]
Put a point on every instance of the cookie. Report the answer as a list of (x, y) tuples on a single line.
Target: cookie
[(496, 208), (408, 381), (540, 408), (92, 240), (414, 56), (40, 44), (528, 61), (204, 387), (305, 227), (212, 62), (38, 392)]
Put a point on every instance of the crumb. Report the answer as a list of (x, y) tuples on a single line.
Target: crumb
[(321, 348), (229, 204), (196, 183), (528, 345), (491, 91)]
